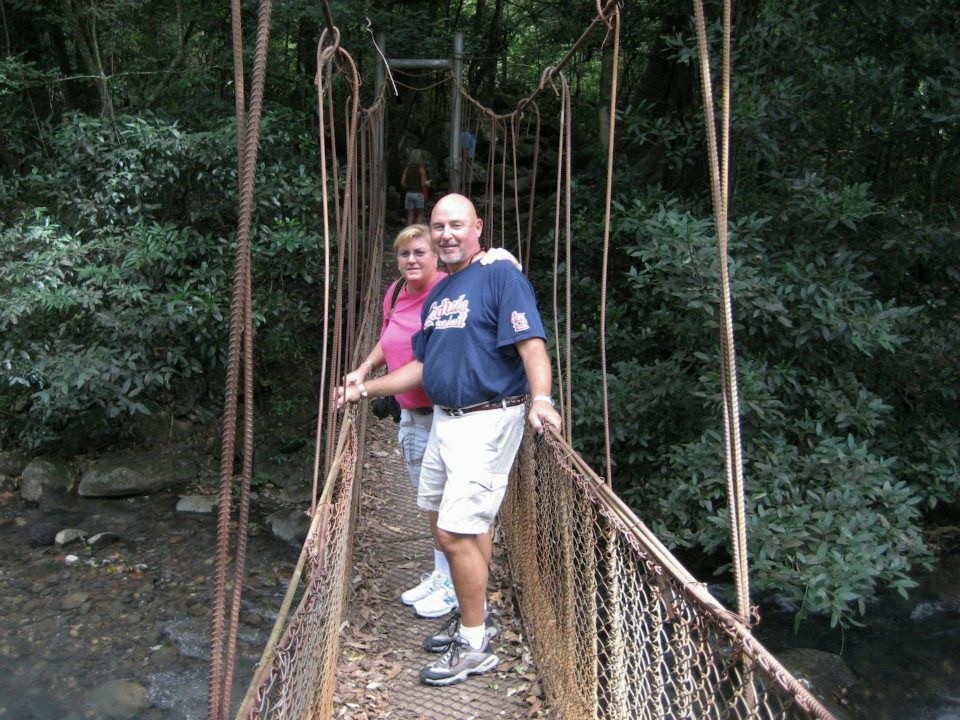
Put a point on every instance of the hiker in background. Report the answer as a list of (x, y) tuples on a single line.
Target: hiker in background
[(416, 186), (468, 147)]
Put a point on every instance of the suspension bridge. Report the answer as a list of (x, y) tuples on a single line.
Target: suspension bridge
[(616, 627)]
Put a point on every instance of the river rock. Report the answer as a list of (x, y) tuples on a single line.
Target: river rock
[(67, 536), (118, 699), (162, 426), (74, 600), (201, 504), (290, 525), (45, 479), (13, 462), (143, 474), (826, 674), (102, 539)]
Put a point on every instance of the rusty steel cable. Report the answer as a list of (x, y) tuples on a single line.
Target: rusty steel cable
[(345, 237), (562, 207), (324, 53), (615, 22), (733, 463), (531, 206), (567, 139), (222, 661)]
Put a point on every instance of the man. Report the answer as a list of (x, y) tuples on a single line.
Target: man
[(480, 355)]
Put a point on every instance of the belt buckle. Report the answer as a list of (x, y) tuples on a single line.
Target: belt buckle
[(456, 412)]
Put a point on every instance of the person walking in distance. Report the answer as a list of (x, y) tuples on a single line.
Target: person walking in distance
[(416, 186), (480, 355), (468, 145)]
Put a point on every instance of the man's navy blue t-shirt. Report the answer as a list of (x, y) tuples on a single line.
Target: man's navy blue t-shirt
[(470, 323)]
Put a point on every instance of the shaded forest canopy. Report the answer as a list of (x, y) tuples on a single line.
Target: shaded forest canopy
[(118, 208)]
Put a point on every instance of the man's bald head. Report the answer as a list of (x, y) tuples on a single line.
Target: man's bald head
[(455, 230)]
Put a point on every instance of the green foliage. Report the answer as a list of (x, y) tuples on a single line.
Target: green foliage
[(127, 292), (844, 256), (103, 175), (109, 323), (835, 484), (19, 124), (117, 245)]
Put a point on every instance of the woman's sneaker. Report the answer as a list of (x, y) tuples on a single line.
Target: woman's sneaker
[(440, 640), (429, 582), (438, 603), (459, 662)]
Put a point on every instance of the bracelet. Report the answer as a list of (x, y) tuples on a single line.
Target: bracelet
[(363, 391), (545, 398)]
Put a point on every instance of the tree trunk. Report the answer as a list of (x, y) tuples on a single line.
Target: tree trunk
[(184, 31), (89, 50)]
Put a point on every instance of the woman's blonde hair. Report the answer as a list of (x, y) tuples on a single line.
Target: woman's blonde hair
[(409, 233)]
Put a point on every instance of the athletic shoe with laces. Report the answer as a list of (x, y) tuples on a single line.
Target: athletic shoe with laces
[(438, 603), (459, 662), (440, 640), (429, 582)]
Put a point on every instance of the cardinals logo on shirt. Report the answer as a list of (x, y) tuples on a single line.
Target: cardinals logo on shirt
[(519, 321), (448, 313)]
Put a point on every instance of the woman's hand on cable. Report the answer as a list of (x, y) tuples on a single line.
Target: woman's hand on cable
[(499, 253), (357, 376)]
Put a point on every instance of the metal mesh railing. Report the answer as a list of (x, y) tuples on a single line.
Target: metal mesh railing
[(297, 676), (619, 630)]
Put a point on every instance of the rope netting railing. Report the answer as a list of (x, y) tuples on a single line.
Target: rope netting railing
[(618, 628)]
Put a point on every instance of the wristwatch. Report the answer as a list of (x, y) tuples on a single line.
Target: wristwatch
[(363, 391), (545, 398)]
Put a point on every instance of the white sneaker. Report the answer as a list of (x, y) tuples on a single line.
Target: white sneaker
[(438, 603), (429, 582)]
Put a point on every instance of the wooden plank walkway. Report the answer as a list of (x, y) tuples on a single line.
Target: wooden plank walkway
[(381, 649)]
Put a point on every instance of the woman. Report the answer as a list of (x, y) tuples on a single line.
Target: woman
[(417, 261)]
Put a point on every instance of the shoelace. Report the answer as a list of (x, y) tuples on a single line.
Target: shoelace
[(450, 625), (452, 655)]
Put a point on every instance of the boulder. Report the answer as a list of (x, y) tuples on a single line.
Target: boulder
[(12, 462), (136, 475), (290, 525), (46, 478), (119, 699), (825, 674)]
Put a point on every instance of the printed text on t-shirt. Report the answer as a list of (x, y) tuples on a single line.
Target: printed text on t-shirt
[(448, 313)]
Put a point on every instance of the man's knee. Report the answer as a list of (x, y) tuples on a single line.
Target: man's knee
[(451, 542)]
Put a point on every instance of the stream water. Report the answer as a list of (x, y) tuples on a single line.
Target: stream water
[(123, 630), (906, 657)]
